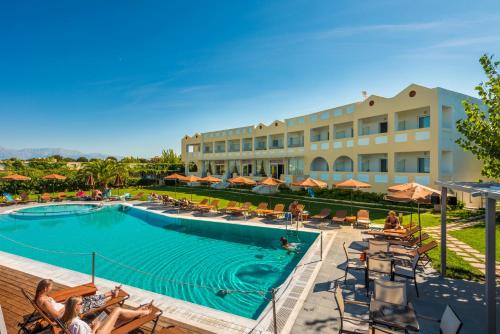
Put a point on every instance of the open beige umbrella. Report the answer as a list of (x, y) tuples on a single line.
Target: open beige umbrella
[(270, 181), (311, 183), (353, 185), (14, 178), (242, 180), (412, 193), (189, 179), (54, 178), (210, 179), (175, 177)]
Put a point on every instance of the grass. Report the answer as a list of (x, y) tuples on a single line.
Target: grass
[(456, 266), (475, 237)]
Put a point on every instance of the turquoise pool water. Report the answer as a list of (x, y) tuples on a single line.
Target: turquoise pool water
[(61, 209), (193, 260)]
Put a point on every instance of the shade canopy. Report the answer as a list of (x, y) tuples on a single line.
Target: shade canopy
[(16, 177), (311, 183), (190, 178), (210, 179), (174, 176), (242, 180), (90, 180), (411, 192), (118, 181), (54, 177), (270, 181), (353, 184)]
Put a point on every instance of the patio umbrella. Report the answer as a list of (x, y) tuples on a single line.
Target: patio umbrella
[(270, 182), (311, 183), (14, 178), (176, 177), (242, 180), (54, 178), (118, 183), (189, 179), (90, 181), (412, 193), (353, 185), (210, 180)]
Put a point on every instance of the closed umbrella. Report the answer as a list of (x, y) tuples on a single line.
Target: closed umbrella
[(175, 177), (412, 193), (54, 178), (353, 185), (15, 178), (118, 183), (90, 181)]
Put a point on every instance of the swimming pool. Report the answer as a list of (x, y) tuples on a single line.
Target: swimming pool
[(199, 261)]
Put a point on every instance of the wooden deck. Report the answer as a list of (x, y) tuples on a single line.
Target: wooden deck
[(15, 306)]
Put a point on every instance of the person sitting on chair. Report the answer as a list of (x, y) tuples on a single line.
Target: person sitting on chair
[(392, 221)]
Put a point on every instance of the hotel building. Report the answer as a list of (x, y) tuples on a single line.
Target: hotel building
[(383, 141)]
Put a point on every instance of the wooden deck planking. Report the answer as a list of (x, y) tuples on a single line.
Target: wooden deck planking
[(15, 306)]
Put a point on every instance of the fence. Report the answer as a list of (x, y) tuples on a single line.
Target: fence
[(272, 295)]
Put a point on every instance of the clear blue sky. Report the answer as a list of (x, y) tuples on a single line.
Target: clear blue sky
[(133, 77)]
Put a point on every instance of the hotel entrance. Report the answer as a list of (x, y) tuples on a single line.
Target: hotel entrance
[(277, 168)]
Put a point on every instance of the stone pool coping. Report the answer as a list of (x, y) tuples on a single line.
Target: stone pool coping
[(289, 298)]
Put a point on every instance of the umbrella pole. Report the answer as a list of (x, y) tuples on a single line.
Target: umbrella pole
[(352, 191), (419, 226)]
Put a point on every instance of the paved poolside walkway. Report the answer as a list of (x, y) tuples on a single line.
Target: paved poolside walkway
[(319, 313)]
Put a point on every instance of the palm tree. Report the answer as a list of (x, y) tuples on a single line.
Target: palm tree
[(105, 171)]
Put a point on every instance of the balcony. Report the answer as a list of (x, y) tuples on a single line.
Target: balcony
[(260, 144), (247, 145), (320, 134), (220, 147), (295, 139), (276, 141), (372, 125), (412, 119)]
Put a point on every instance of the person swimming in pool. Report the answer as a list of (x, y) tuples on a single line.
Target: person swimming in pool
[(290, 247)]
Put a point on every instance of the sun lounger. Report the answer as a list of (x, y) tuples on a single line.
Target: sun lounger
[(262, 209), (323, 214), (213, 206), (45, 198), (396, 234), (363, 218), (277, 212), (244, 209), (411, 242), (25, 197), (339, 216), (172, 330), (229, 207), (198, 206), (9, 199), (136, 197), (62, 295)]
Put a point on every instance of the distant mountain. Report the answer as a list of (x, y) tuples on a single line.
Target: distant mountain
[(29, 153)]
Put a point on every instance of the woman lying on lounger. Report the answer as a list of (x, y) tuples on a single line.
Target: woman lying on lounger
[(74, 306), (56, 310)]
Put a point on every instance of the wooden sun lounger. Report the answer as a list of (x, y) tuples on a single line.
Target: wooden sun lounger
[(232, 205), (411, 242), (213, 206), (323, 214), (277, 212), (45, 198), (397, 234), (340, 216), (57, 326), (198, 206), (262, 209), (242, 210), (136, 197), (363, 218)]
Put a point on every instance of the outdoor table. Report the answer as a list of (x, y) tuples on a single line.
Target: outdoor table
[(396, 316)]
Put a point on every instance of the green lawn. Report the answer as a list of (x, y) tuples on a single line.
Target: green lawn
[(475, 237)]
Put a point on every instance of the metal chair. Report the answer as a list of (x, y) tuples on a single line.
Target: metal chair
[(390, 292), (352, 263), (408, 272), (378, 246), (449, 323), (349, 324), (377, 268)]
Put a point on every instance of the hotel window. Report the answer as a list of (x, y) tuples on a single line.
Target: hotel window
[(340, 134), (365, 130), (383, 165), (424, 121), (401, 166), (246, 168), (424, 165), (365, 165), (220, 168), (296, 166), (402, 125), (383, 127)]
